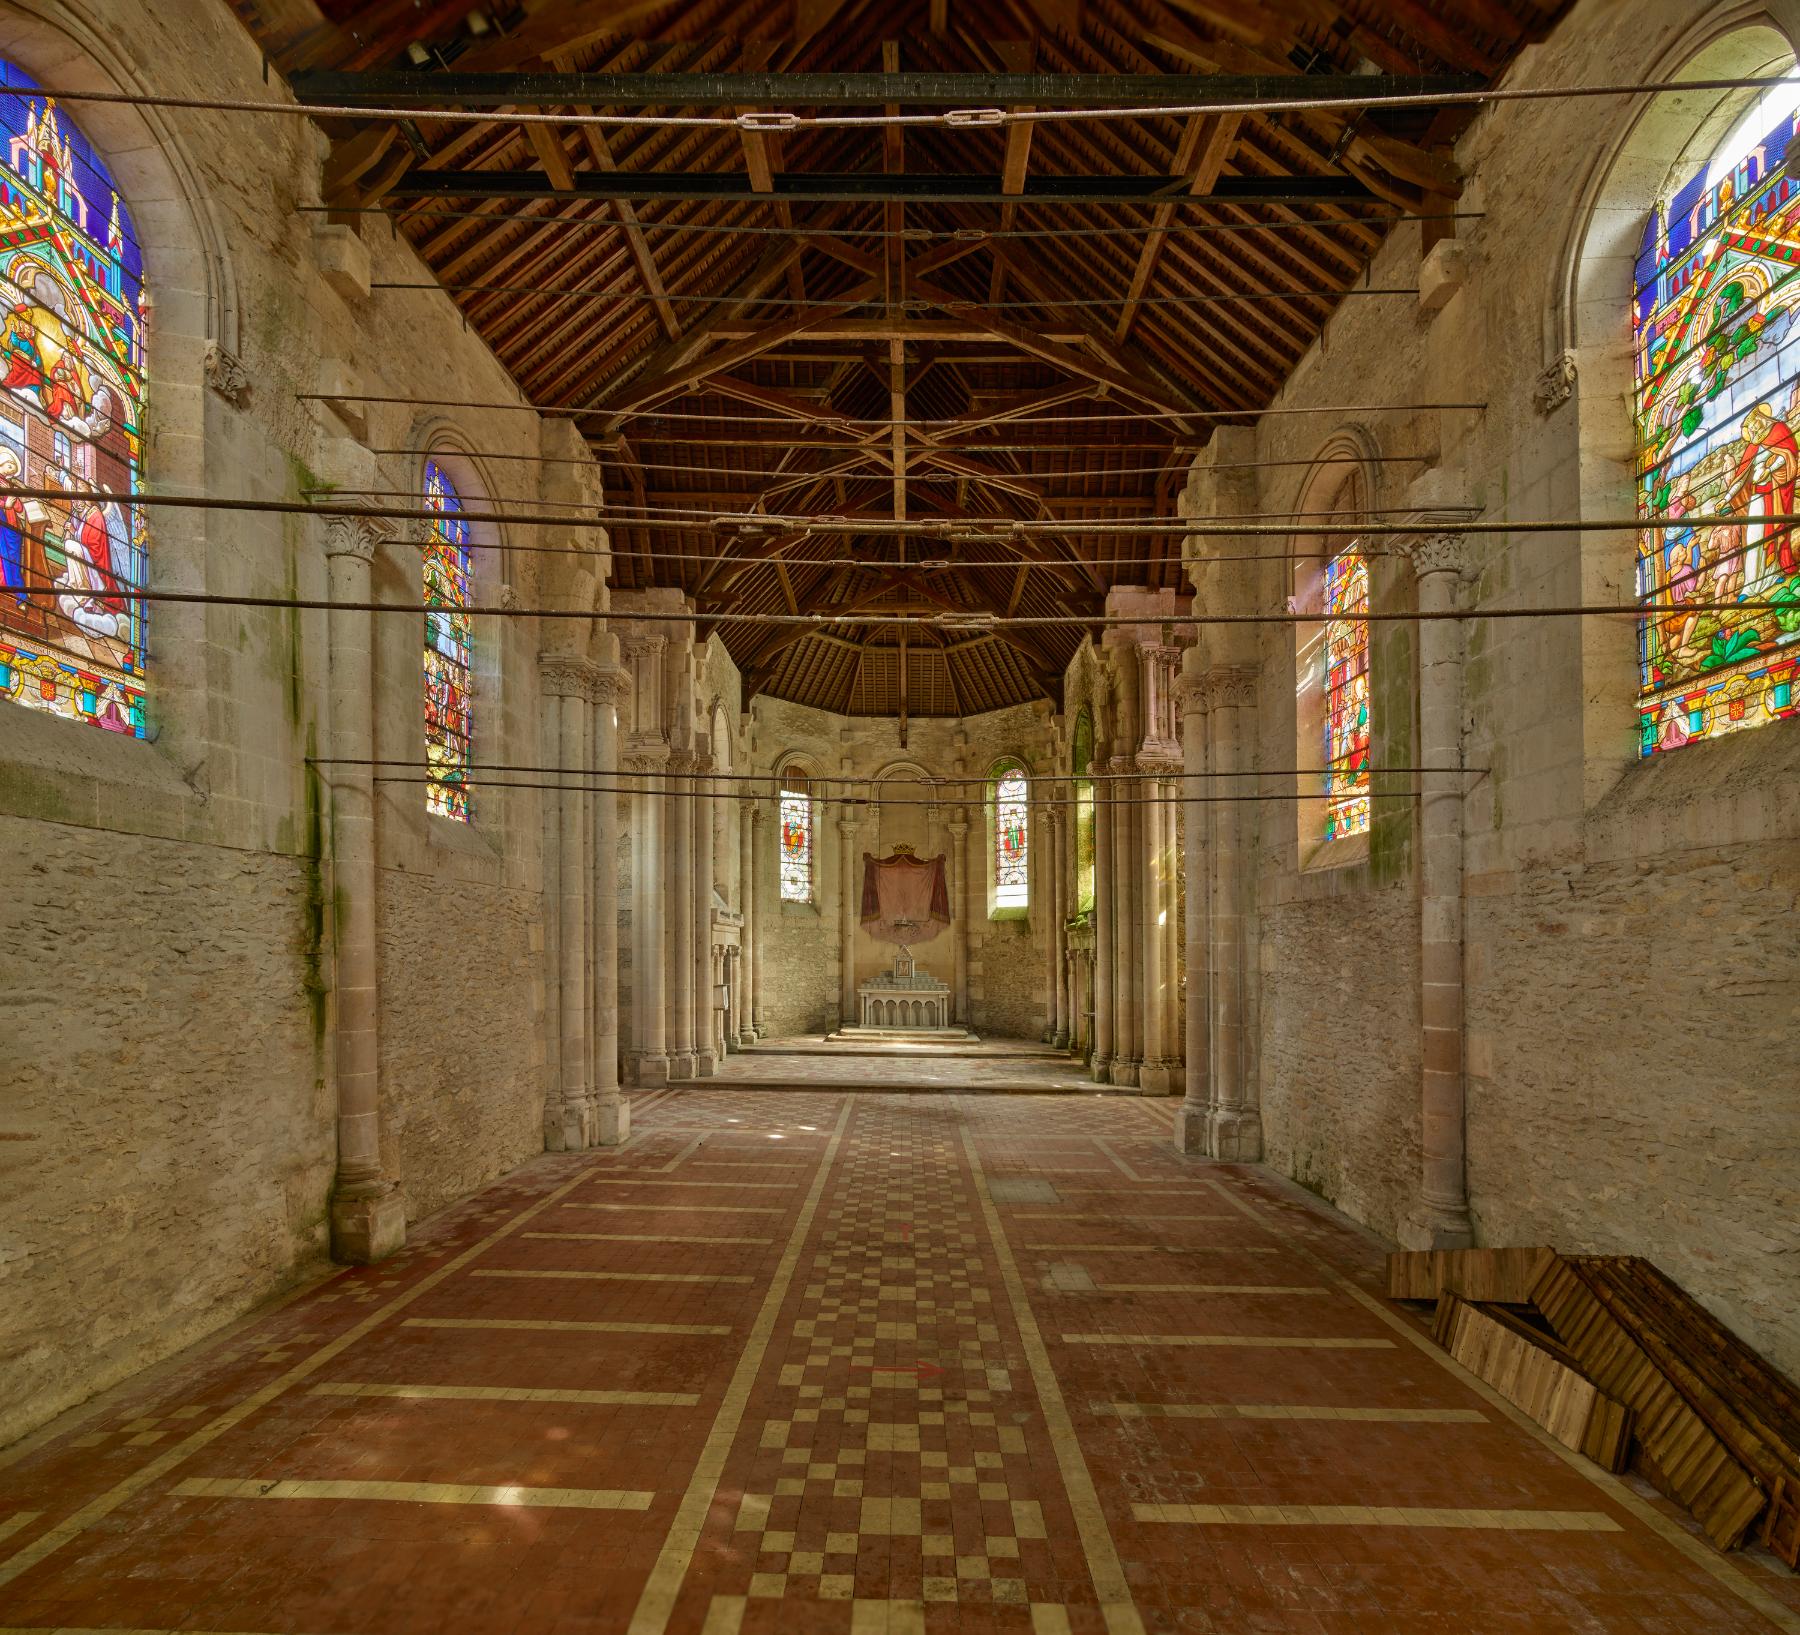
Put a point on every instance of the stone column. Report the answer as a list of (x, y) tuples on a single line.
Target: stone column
[(1191, 1121), (1127, 940), (567, 682), (368, 1214), (650, 1053), (1102, 974), (705, 1024), (849, 906), (960, 899), (748, 822), (1442, 1221), (1157, 1075), (612, 1113), (678, 888), (1050, 900), (1234, 1127)]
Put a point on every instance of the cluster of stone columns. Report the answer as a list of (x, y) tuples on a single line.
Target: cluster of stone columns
[(583, 1106)]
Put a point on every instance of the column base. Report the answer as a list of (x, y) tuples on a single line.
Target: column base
[(681, 1065), (746, 1037), (367, 1228), (1124, 1072), (1437, 1226), (1059, 1040), (1235, 1135), (649, 1069), (612, 1121), (705, 1065), (1098, 1069), (1190, 1129), (1159, 1078), (569, 1129)]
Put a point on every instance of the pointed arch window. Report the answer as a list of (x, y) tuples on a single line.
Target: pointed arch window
[(1346, 694), (796, 839), (72, 642), (1009, 813), (1716, 337), (449, 678)]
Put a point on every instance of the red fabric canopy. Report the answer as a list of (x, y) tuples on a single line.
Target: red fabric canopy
[(904, 898)]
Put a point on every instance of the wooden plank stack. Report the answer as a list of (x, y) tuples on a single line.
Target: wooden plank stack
[(1719, 1430), (1628, 1366), (1537, 1376), (1504, 1275)]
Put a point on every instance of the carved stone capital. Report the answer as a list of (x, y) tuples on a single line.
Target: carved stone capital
[(564, 676), (1437, 553), (644, 761), (1160, 765), (1192, 696), (612, 683), (1555, 386), (226, 375), (1230, 687), (355, 536)]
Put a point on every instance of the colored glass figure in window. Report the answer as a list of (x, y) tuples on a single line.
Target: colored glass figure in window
[(1010, 841), (1083, 758), (449, 682), (1718, 395), (71, 419), (1346, 695), (796, 842)]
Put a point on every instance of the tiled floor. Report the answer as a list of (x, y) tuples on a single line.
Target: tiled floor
[(857, 1364)]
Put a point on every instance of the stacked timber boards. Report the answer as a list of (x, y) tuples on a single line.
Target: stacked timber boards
[(1634, 1365)]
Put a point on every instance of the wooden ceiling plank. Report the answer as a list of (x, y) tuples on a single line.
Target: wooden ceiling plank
[(600, 152), (1200, 161)]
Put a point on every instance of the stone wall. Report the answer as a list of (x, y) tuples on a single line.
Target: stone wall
[(1630, 924)]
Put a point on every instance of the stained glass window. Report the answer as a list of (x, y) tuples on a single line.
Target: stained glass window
[(449, 682), (1346, 695), (71, 418), (1083, 758), (1010, 841), (796, 841), (1718, 393)]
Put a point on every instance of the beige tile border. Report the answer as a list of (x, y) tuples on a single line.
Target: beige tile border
[(1287, 1342), (656, 1604), (610, 1277), (1291, 1412), (17, 1522), (547, 1498), (1104, 1567), (564, 1325), (506, 1393), (1374, 1515), (1710, 1561)]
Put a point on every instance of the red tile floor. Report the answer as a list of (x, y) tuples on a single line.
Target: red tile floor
[(877, 1364)]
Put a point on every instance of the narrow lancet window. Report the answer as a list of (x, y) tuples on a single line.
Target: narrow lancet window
[(1346, 695), (796, 840), (449, 680), (1011, 841)]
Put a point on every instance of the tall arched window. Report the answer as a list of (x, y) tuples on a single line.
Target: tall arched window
[(796, 839), (1346, 743), (449, 680), (1716, 333), (71, 419), (1081, 760), (1008, 813)]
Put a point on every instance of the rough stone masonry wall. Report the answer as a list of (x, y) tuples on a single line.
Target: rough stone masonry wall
[(166, 1107), (798, 972), (1631, 926)]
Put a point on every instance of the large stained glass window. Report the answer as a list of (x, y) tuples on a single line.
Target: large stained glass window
[(1011, 857), (796, 840), (449, 681), (71, 419), (1718, 392), (1346, 694)]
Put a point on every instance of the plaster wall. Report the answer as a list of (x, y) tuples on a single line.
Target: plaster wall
[(1630, 924)]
